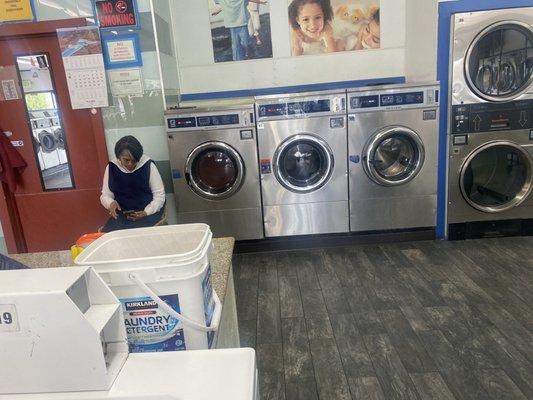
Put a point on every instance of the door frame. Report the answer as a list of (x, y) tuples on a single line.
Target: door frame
[(9, 216)]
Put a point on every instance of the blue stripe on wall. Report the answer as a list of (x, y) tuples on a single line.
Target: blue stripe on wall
[(446, 10), (292, 89)]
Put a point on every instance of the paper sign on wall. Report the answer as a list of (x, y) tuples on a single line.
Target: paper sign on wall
[(16, 10), (84, 66), (126, 82), (9, 82)]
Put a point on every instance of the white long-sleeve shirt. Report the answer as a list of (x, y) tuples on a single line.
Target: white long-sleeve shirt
[(156, 186)]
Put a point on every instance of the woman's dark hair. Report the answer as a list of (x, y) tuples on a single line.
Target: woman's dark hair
[(294, 9), (131, 145)]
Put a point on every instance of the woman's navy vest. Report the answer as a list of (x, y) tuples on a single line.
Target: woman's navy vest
[(132, 190)]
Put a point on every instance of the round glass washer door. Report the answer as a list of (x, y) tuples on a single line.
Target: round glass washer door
[(393, 156), (303, 163), (499, 61), (214, 170), (496, 176)]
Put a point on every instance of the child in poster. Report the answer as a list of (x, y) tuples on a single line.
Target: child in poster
[(325, 26), (312, 32), (240, 29)]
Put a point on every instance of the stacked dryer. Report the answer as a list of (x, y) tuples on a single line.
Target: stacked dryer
[(392, 147), (491, 136)]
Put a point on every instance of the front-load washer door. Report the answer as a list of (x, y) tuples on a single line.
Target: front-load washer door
[(393, 156), (499, 62), (214, 170), (303, 163), (496, 176)]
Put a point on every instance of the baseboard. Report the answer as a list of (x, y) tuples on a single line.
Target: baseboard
[(332, 240)]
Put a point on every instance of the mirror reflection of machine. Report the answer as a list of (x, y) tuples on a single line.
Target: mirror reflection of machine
[(392, 146), (48, 138), (213, 156), (491, 127), (303, 153)]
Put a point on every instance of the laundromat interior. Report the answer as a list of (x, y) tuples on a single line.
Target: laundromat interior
[(259, 199)]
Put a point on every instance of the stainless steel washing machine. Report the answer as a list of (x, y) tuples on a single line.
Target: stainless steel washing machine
[(491, 120), (492, 56), (303, 163), (213, 156), (392, 147)]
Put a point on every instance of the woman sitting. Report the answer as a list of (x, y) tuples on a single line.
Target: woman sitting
[(132, 190)]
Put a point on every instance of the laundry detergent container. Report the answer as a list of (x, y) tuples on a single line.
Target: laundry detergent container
[(162, 277)]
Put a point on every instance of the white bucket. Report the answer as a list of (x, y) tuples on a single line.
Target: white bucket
[(162, 277)]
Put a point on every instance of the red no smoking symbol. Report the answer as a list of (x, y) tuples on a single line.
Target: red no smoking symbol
[(121, 7)]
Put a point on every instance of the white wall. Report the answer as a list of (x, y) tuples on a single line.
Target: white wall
[(199, 73), (421, 21)]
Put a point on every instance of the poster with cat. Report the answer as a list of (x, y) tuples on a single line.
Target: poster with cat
[(327, 26), (240, 29)]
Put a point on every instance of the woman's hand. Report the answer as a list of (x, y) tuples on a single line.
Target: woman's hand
[(113, 209), (134, 216)]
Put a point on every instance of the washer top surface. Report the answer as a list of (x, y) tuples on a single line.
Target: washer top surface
[(213, 104)]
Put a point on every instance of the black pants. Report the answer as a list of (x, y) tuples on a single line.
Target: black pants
[(123, 223)]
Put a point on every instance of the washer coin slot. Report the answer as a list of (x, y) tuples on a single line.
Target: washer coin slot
[(460, 140), (429, 115), (247, 134), (337, 122)]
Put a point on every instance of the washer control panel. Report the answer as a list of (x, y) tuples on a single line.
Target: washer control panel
[(300, 106), (209, 120), (393, 99), (488, 117)]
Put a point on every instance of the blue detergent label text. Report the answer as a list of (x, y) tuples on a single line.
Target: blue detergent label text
[(209, 304), (149, 328)]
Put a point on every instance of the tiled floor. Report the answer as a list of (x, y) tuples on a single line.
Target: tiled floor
[(418, 320)]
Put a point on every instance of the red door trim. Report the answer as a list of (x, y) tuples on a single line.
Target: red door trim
[(14, 236)]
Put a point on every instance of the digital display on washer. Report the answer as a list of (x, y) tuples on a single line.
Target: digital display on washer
[(272, 110), (398, 99), (185, 122), (364, 101), (308, 107), (212, 120)]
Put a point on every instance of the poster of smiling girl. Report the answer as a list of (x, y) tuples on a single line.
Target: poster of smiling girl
[(327, 26)]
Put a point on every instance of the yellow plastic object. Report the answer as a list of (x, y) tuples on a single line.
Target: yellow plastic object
[(74, 251)]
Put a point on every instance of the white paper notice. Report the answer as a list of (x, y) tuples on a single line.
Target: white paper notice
[(126, 82), (121, 50), (10, 89), (84, 66)]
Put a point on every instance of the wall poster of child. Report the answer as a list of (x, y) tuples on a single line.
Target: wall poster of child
[(240, 29), (327, 26)]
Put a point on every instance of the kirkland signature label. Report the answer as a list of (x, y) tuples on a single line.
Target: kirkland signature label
[(149, 328)]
